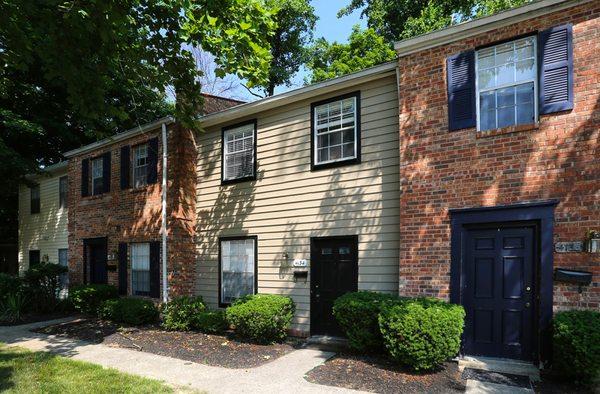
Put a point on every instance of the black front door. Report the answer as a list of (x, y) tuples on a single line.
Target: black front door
[(499, 290), (95, 252), (334, 272)]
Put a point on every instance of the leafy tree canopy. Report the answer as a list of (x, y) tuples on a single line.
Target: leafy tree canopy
[(401, 19), (365, 48)]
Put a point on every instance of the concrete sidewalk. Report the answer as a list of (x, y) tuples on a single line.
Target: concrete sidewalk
[(284, 374)]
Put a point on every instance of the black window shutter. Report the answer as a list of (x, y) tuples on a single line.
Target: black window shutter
[(555, 58), (122, 268), (125, 166), (106, 172), (152, 174), (155, 269), (85, 177), (461, 90)]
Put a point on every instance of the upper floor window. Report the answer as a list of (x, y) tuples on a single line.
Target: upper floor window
[(507, 84), (97, 176), (140, 165), (239, 152), (63, 186), (35, 199), (336, 131)]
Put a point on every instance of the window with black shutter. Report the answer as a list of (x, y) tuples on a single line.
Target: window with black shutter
[(63, 188), (155, 269), (556, 69), (34, 192), (34, 258)]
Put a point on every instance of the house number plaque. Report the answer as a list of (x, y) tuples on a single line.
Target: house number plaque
[(569, 247)]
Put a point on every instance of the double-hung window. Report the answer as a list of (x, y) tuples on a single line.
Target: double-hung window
[(336, 131), (140, 269), (97, 176), (63, 188), (239, 151), (507, 84), (34, 193), (140, 165), (237, 268)]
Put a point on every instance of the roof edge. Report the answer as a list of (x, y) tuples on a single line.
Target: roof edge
[(119, 137), (51, 169), (327, 86), (481, 25)]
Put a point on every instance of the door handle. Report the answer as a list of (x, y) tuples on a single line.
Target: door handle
[(527, 305), (528, 288)]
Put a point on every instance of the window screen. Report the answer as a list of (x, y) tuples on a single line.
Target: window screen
[(335, 131), (238, 152), (238, 268), (97, 176), (140, 165)]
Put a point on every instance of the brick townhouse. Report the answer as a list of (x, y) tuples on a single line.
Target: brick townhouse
[(467, 170), (499, 139)]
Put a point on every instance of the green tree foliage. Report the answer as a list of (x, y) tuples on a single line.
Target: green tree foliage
[(295, 23), (365, 48), (75, 71), (402, 19)]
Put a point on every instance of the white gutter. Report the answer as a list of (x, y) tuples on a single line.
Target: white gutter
[(482, 25), (163, 229), (279, 100)]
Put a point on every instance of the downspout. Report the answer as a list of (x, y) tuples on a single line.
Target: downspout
[(163, 229)]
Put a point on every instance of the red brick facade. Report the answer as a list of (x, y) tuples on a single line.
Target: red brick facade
[(441, 170), (134, 214)]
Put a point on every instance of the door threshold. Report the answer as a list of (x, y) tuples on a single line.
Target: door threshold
[(500, 365), (327, 342)]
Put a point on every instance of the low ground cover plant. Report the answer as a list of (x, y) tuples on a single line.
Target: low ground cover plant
[(422, 333), (358, 315), (133, 311), (181, 313), (262, 318), (89, 298), (576, 338)]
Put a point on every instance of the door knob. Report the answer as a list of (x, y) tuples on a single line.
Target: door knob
[(527, 304), (528, 288)]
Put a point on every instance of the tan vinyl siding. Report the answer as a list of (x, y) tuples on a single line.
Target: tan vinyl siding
[(288, 203), (45, 231)]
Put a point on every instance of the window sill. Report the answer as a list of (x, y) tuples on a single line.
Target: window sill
[(341, 163), (238, 180), (508, 130)]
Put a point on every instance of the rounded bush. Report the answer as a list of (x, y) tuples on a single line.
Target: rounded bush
[(576, 339), (133, 311), (211, 322), (9, 285), (357, 314), (422, 333), (263, 318), (180, 313), (88, 298)]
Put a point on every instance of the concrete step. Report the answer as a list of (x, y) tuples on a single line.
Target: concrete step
[(327, 343), (501, 365), (477, 387)]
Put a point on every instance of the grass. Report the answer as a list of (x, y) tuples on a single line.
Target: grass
[(22, 371)]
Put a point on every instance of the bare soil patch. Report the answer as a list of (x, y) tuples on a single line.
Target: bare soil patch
[(216, 350), (379, 374)]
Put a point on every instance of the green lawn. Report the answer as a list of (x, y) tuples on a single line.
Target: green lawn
[(22, 371)]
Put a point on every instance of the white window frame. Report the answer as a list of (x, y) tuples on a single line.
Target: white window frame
[(94, 178), (226, 153), (132, 257), (254, 258), (315, 137), (535, 80), (143, 180)]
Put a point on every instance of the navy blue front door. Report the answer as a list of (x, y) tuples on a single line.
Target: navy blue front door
[(96, 256), (499, 291)]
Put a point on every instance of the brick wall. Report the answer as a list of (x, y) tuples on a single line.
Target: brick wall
[(134, 215), (441, 170)]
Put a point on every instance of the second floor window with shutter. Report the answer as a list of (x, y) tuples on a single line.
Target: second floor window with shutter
[(34, 199), (506, 84), (239, 144), (140, 165), (97, 176)]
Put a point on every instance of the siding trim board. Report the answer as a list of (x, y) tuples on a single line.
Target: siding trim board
[(356, 160), (252, 177), (235, 238)]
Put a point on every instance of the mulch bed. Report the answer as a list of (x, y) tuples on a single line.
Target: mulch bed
[(381, 375), (36, 317), (215, 350)]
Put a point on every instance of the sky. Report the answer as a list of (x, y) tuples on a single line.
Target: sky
[(329, 26)]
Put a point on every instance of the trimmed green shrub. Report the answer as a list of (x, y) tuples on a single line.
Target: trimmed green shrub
[(133, 311), (357, 314), (422, 333), (211, 322), (576, 338), (88, 298), (263, 318), (42, 284), (180, 313)]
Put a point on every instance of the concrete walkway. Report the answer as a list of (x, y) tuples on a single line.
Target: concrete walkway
[(284, 374)]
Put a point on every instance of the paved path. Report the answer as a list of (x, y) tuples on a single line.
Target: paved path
[(284, 374)]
